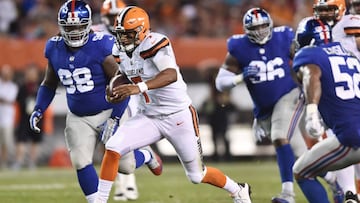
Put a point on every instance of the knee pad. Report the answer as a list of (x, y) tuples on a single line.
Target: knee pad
[(195, 178)]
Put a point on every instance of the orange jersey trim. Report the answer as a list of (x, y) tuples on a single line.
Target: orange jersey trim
[(153, 50), (352, 30), (195, 120)]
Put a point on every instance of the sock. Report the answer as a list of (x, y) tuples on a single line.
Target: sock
[(139, 157), (109, 165), (285, 160), (345, 178), (104, 189), (91, 198), (313, 190), (288, 187), (146, 154), (88, 179), (214, 176)]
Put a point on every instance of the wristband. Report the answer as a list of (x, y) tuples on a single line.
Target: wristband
[(311, 108), (238, 79), (142, 86)]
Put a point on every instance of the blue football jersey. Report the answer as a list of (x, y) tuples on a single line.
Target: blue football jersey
[(81, 72), (273, 59), (339, 104)]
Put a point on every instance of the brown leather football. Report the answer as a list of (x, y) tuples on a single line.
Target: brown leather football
[(118, 80)]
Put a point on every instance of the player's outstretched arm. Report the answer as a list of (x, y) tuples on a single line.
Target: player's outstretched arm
[(44, 97)]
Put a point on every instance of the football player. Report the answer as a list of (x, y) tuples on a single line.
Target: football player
[(345, 29), (83, 63), (125, 184), (265, 68), (148, 60), (329, 75)]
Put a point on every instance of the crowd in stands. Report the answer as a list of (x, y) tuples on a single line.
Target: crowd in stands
[(37, 19)]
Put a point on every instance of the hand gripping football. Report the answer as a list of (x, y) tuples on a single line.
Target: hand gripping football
[(118, 80)]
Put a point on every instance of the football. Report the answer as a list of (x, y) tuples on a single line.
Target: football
[(118, 80)]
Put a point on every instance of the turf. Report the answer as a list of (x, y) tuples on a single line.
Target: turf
[(49, 185)]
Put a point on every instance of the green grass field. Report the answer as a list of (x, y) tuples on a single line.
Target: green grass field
[(49, 185)]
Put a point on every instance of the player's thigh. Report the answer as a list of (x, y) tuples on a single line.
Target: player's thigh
[(182, 132), (136, 132), (286, 115), (81, 137), (326, 155)]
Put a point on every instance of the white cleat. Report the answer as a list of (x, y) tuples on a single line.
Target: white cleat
[(243, 195)]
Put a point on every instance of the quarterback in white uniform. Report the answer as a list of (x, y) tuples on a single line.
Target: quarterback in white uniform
[(125, 184), (165, 109)]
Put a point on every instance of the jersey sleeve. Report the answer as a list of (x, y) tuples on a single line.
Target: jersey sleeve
[(104, 45), (352, 25), (49, 46), (152, 44), (307, 55)]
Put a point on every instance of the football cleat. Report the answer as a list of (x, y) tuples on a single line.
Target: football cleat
[(284, 198), (131, 193), (155, 163), (351, 197), (120, 197), (243, 195)]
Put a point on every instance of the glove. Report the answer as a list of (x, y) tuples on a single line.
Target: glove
[(250, 71), (35, 117), (313, 122), (108, 129), (258, 131)]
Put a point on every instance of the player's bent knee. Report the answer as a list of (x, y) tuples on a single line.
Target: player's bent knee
[(78, 162), (127, 163), (126, 169), (195, 178)]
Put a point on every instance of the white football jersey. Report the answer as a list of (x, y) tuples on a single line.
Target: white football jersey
[(344, 30), (141, 67)]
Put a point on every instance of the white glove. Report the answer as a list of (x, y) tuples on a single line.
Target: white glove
[(313, 121), (258, 131), (108, 129)]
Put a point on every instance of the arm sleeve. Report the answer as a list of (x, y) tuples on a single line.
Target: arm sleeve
[(225, 80), (44, 97)]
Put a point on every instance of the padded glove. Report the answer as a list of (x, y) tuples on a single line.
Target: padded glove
[(108, 129), (35, 117), (313, 122)]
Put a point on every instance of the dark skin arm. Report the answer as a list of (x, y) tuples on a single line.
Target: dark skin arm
[(110, 66), (50, 80), (231, 64), (310, 75)]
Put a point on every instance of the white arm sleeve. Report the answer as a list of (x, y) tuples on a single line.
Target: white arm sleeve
[(226, 80)]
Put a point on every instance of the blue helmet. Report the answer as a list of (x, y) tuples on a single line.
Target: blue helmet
[(258, 25), (312, 31), (74, 20)]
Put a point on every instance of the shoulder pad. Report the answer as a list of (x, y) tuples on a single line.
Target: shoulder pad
[(152, 44)]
